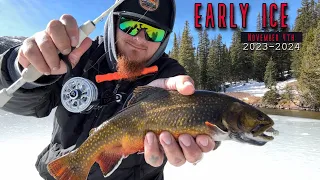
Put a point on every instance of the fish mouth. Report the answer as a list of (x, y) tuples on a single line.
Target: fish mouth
[(264, 130), (266, 134), (260, 139), (266, 137)]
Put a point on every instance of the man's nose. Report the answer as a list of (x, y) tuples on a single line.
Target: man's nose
[(141, 36)]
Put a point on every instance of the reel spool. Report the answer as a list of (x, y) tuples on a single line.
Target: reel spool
[(77, 94)]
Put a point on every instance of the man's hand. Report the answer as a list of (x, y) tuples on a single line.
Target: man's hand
[(183, 84), (40, 50), (188, 148)]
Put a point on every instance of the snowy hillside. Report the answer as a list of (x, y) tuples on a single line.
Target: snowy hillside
[(256, 88), (7, 42)]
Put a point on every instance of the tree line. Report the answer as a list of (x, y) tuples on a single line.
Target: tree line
[(211, 63)]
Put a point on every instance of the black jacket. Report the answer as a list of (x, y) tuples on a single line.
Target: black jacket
[(71, 129)]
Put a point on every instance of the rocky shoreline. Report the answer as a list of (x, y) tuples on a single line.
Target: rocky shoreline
[(285, 107)]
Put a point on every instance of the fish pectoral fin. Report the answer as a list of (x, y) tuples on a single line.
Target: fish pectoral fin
[(109, 162), (213, 126), (218, 134)]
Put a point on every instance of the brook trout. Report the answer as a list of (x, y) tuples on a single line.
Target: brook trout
[(155, 109)]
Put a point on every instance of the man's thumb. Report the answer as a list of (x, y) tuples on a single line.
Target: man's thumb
[(76, 54)]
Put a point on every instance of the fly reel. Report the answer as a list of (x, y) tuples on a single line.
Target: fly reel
[(77, 94)]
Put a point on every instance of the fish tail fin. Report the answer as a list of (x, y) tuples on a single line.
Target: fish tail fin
[(109, 162), (62, 169)]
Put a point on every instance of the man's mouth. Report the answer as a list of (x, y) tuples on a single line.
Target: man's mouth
[(137, 47)]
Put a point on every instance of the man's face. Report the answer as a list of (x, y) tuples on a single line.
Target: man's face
[(133, 52), (135, 48)]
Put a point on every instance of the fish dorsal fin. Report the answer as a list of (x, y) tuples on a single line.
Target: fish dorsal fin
[(142, 92)]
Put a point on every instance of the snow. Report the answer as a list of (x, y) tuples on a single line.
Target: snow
[(256, 88), (15, 39)]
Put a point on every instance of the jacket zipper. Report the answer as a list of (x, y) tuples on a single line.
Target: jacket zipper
[(115, 91), (98, 114)]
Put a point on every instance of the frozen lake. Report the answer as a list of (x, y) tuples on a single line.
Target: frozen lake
[(294, 154)]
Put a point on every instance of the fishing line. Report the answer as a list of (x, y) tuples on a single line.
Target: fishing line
[(31, 74), (79, 94)]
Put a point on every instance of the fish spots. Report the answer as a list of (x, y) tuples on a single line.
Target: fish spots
[(124, 133)]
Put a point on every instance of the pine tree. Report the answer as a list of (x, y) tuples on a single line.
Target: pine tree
[(187, 52), (304, 17), (283, 59), (242, 61), (211, 84), (179, 38), (259, 25), (219, 60), (219, 64), (199, 59), (203, 51), (175, 49), (198, 63), (235, 50), (304, 22), (260, 58), (309, 79), (313, 13), (317, 11), (226, 64), (270, 74)]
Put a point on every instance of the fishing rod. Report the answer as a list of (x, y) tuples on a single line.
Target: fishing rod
[(30, 74)]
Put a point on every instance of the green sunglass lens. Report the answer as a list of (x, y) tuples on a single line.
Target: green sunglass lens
[(133, 27), (156, 35), (129, 27)]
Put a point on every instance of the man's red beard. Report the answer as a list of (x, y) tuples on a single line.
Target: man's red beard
[(130, 69)]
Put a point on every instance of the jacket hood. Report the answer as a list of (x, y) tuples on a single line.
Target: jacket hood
[(110, 29)]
